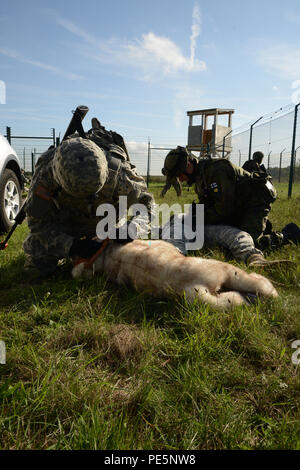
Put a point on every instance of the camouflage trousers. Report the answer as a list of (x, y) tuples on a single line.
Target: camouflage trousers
[(42, 256), (256, 223), (238, 242)]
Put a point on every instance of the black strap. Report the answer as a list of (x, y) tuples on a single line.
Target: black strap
[(113, 163)]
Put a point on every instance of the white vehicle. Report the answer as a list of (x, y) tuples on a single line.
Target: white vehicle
[(10, 185)]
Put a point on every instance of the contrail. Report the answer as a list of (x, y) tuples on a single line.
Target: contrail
[(196, 29)]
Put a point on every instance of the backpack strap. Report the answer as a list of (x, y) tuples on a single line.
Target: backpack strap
[(114, 163)]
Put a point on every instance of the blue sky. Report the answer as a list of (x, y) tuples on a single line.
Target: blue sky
[(140, 65)]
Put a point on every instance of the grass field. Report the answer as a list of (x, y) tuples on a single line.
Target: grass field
[(91, 365)]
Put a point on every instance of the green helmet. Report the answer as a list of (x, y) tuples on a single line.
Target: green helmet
[(176, 160), (258, 157), (80, 167)]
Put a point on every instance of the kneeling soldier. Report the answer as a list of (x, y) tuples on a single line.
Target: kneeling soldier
[(233, 197), (68, 185)]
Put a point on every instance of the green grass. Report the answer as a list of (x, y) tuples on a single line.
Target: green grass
[(92, 365)]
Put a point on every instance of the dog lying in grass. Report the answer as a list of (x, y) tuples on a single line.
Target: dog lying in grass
[(158, 268)]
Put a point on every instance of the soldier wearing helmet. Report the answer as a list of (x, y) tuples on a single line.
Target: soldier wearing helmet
[(68, 185), (233, 197), (255, 165)]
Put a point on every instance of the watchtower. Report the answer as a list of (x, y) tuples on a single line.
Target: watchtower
[(215, 141)]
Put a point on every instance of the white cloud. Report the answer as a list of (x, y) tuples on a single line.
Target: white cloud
[(158, 50), (72, 28), (196, 29), (41, 65), (283, 60), (151, 53), (292, 17)]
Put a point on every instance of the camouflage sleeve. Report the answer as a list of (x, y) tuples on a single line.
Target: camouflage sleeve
[(220, 203), (42, 213), (132, 185), (251, 166), (248, 166)]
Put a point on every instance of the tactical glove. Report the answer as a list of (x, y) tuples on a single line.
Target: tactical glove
[(84, 248)]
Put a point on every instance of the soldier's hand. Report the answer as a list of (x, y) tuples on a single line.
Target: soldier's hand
[(84, 248)]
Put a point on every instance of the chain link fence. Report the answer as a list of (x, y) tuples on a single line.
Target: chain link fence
[(28, 148), (277, 135)]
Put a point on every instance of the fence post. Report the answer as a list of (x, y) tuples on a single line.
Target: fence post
[(280, 161), (24, 158), (57, 141), (53, 135), (291, 176), (295, 163), (223, 151), (33, 154), (250, 139), (148, 163), (8, 134), (269, 159), (32, 163)]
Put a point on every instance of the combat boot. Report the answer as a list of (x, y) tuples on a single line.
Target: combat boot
[(291, 233), (258, 260)]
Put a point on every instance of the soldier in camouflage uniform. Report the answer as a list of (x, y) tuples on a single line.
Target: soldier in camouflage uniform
[(255, 165), (171, 181), (68, 185), (233, 198)]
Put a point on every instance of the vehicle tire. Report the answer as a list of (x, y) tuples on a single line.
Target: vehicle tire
[(10, 199)]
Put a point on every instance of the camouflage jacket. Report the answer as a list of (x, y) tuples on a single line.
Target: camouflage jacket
[(50, 210), (226, 190), (254, 167)]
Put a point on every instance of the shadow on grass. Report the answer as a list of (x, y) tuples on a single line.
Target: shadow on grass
[(60, 291)]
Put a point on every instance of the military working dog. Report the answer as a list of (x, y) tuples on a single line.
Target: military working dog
[(158, 268)]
